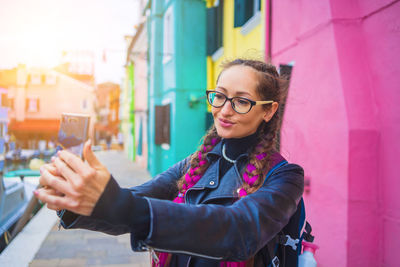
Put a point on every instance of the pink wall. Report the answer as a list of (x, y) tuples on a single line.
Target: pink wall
[(340, 122), (382, 38), (141, 108)]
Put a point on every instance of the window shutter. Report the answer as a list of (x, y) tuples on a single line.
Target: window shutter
[(244, 10), (285, 71), (215, 28), (249, 10), (239, 18), (4, 100), (166, 125), (37, 105), (26, 104), (162, 124)]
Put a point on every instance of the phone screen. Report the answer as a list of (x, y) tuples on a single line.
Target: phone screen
[(73, 132)]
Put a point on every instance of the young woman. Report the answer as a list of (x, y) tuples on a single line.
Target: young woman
[(214, 208)]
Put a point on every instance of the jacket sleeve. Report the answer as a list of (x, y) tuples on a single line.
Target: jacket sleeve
[(233, 233), (163, 186)]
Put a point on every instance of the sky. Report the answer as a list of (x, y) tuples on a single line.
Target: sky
[(35, 32)]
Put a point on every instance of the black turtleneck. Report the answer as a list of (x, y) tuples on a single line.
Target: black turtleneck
[(235, 147)]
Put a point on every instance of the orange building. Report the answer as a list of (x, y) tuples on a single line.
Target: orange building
[(37, 99), (107, 110)]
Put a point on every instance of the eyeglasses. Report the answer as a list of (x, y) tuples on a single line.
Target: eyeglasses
[(239, 104)]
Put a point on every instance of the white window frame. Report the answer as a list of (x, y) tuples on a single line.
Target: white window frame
[(168, 36)]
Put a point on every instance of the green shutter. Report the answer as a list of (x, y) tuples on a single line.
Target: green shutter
[(239, 12), (214, 28), (244, 10), (249, 10)]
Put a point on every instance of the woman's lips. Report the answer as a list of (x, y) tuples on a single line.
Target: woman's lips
[(225, 123)]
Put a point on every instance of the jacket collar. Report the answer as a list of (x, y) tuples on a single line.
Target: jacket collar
[(216, 153), (210, 178)]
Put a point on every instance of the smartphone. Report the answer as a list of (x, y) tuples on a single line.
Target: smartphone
[(73, 132)]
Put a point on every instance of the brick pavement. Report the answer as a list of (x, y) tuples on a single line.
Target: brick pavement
[(86, 248)]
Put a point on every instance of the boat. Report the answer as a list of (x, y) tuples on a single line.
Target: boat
[(29, 178), (13, 202), (18, 157)]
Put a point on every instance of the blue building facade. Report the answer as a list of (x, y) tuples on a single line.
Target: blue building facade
[(177, 80)]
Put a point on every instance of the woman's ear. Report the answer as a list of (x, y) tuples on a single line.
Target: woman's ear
[(271, 111)]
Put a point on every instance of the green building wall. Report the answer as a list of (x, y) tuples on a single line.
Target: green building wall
[(180, 81), (132, 148)]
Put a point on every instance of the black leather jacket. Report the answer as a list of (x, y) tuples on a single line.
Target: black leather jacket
[(213, 224)]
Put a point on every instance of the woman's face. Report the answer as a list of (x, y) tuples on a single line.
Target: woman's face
[(239, 81)]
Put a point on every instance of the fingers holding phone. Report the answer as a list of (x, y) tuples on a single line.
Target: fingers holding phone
[(69, 182)]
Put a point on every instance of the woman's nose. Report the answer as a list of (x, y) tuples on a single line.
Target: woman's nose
[(227, 108)]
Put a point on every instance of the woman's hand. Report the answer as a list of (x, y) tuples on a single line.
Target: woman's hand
[(69, 183)]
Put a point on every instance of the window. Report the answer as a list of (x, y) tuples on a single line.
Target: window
[(5, 101), (285, 71), (32, 105), (168, 36), (163, 124), (215, 27), (245, 10)]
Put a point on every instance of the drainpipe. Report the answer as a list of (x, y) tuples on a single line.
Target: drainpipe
[(268, 27), (155, 82)]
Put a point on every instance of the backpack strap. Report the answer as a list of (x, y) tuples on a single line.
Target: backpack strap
[(276, 161), (287, 240)]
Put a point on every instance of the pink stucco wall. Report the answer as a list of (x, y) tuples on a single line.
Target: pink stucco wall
[(141, 108), (342, 120), (381, 41)]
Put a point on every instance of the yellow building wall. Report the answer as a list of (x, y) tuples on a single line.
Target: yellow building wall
[(235, 44)]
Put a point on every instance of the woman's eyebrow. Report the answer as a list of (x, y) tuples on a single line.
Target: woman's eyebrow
[(243, 93), (236, 93)]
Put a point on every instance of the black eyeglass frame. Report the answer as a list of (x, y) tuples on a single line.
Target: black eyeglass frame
[(252, 102)]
